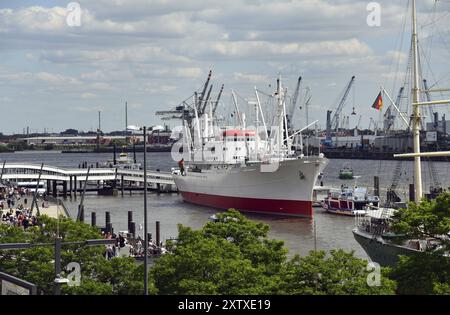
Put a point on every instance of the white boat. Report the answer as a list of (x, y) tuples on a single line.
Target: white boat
[(350, 201), (245, 169), (123, 162)]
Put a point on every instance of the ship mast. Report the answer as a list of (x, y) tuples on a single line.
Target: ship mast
[(416, 112), (416, 109)]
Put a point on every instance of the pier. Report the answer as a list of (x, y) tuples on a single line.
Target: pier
[(72, 179)]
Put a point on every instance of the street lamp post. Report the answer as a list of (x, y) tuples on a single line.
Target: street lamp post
[(145, 215), (144, 132)]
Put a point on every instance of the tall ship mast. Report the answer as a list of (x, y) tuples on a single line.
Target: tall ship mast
[(373, 231), (249, 168)]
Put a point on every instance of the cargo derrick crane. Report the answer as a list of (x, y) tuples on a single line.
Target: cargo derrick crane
[(290, 116), (359, 122), (334, 123), (308, 101), (217, 101), (202, 96), (205, 103)]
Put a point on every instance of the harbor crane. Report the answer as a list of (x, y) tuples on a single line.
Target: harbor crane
[(185, 111), (334, 123)]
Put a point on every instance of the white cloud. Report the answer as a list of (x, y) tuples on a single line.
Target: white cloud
[(88, 95), (164, 49), (250, 78)]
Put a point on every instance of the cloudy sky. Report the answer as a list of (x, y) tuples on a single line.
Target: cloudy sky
[(155, 53)]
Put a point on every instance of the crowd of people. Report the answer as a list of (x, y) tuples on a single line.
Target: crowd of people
[(129, 246), (15, 210), (13, 207)]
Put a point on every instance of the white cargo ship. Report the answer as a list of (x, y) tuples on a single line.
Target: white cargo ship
[(247, 169)]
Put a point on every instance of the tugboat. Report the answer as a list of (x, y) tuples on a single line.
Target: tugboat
[(350, 201), (346, 172)]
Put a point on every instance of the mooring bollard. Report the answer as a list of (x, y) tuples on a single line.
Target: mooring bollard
[(412, 193), (93, 219), (107, 221), (81, 210), (157, 233), (109, 228), (376, 186), (133, 229), (130, 219)]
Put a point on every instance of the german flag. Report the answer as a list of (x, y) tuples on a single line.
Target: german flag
[(378, 105)]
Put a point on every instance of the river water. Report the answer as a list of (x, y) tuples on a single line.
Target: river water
[(332, 232)]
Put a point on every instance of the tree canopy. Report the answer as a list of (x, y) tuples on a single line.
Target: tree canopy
[(234, 255)]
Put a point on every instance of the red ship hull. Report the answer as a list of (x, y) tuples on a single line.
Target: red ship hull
[(267, 206)]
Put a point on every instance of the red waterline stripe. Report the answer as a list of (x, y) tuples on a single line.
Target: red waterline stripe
[(272, 206)]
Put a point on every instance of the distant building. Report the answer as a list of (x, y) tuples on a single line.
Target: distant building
[(442, 126), (162, 137), (71, 140), (348, 142)]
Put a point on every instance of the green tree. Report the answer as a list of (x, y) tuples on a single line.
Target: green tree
[(338, 273), (251, 238), (425, 220), (427, 273), (234, 255), (203, 264)]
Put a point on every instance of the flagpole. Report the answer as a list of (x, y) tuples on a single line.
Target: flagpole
[(380, 115)]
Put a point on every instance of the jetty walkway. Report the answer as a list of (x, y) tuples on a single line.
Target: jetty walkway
[(72, 179)]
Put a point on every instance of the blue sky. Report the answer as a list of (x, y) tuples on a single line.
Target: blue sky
[(154, 53)]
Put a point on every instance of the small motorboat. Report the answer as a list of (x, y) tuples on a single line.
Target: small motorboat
[(346, 172), (350, 201)]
